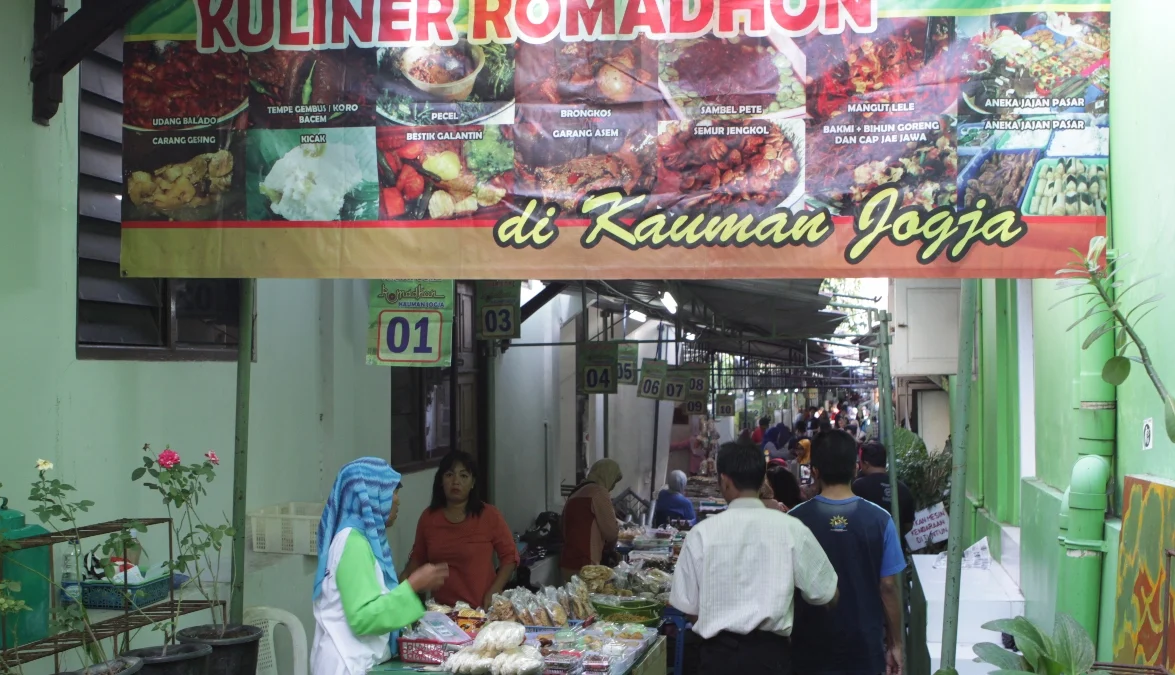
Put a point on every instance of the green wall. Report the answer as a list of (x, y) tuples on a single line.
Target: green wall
[(314, 404)]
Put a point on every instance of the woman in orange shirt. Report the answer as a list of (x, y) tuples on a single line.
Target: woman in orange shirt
[(462, 531)]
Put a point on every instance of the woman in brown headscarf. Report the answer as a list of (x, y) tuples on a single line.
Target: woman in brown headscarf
[(589, 521)]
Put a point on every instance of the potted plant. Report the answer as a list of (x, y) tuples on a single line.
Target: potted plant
[(1068, 651), (53, 507), (200, 544)]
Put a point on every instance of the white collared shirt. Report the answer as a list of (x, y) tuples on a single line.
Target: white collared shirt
[(739, 571)]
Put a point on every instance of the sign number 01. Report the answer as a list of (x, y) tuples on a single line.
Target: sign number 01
[(410, 336)]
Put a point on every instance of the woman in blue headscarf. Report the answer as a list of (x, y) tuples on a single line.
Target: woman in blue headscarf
[(358, 602)]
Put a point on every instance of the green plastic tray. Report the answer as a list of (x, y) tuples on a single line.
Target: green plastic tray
[(1046, 164)]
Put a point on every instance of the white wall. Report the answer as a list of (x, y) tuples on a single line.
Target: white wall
[(934, 418), (925, 326), (526, 420)]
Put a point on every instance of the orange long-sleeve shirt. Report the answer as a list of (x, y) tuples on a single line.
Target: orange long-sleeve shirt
[(468, 548)]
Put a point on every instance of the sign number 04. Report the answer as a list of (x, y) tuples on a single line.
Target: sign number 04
[(410, 336)]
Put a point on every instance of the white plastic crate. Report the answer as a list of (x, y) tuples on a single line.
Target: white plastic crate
[(287, 528)]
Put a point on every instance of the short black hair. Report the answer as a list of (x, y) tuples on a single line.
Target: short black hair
[(785, 486), (873, 453), (743, 464), (834, 455), (812, 408), (475, 505), (825, 425), (764, 421)]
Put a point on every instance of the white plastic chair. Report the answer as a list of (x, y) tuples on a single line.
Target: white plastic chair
[(266, 618)]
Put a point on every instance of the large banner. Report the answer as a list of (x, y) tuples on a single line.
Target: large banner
[(570, 139)]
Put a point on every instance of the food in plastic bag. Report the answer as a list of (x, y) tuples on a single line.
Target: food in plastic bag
[(538, 611), (553, 608), (501, 609), (499, 636), (522, 611)]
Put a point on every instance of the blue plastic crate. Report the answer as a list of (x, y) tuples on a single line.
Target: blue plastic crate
[(106, 595)]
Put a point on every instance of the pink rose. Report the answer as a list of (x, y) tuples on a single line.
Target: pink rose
[(168, 458), (211, 457)]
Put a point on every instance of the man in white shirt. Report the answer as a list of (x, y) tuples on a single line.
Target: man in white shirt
[(738, 573)]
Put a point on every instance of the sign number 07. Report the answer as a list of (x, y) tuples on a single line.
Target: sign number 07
[(410, 336)]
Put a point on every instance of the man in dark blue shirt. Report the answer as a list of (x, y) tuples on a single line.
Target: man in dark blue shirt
[(862, 634)]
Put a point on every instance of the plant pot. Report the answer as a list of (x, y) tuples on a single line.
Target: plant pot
[(234, 652), (123, 665), (181, 659)]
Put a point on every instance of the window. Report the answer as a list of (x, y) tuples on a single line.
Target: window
[(423, 400), (119, 318)]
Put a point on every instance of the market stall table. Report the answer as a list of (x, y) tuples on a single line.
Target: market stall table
[(652, 663)]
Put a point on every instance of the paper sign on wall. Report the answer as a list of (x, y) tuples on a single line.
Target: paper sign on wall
[(652, 379), (410, 323), (597, 367), (694, 407), (499, 310), (698, 385), (931, 526), (626, 370)]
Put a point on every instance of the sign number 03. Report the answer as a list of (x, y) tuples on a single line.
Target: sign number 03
[(410, 336), (497, 321)]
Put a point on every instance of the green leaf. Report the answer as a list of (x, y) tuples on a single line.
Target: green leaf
[(1074, 648), (14, 586), (308, 86), (1140, 281), (138, 473), (1011, 672), (1073, 297), (1097, 333), (1000, 657), (1116, 370), (1169, 415), (1071, 283), (1034, 644), (1090, 312)]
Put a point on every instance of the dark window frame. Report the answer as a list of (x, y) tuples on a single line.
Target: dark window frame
[(119, 318)]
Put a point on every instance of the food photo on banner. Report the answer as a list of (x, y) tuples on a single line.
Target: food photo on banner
[(558, 139)]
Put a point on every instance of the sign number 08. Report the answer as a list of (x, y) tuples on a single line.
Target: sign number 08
[(410, 336)]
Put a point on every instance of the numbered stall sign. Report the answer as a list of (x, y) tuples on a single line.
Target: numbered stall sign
[(597, 367), (697, 387), (725, 405), (694, 407), (499, 310), (626, 355), (676, 381), (409, 323), (652, 378)]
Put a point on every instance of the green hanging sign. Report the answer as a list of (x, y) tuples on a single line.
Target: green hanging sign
[(597, 367), (626, 360), (499, 310), (724, 405), (410, 323), (676, 381), (652, 379)]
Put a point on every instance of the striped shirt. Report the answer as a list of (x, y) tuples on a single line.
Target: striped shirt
[(739, 571)]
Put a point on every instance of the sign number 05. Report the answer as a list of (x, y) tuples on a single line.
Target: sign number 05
[(410, 336)]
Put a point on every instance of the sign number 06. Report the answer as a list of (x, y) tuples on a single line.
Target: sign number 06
[(410, 336)]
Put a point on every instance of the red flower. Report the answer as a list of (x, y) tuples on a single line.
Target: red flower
[(211, 457), (168, 458)]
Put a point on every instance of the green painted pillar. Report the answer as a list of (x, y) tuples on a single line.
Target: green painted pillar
[(960, 403), (241, 448), (1082, 533), (886, 415)]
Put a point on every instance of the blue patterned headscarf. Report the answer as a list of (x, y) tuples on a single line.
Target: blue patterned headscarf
[(362, 500)]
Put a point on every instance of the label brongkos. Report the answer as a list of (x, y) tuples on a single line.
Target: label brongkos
[(254, 25)]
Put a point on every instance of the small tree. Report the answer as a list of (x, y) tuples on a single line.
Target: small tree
[(199, 543), (1106, 297)]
